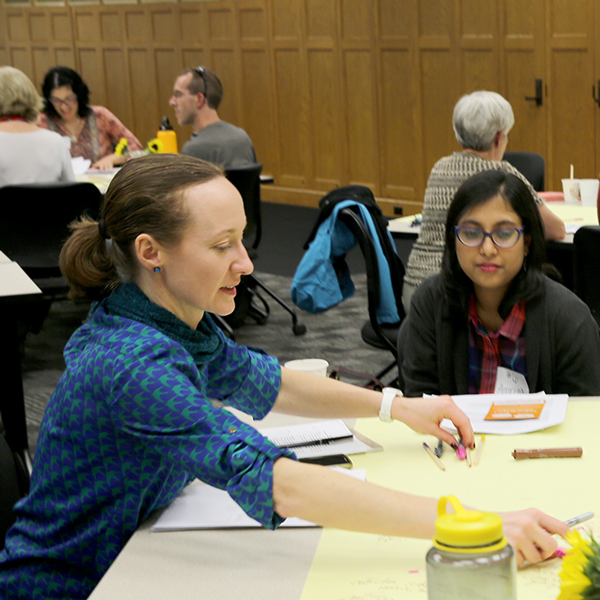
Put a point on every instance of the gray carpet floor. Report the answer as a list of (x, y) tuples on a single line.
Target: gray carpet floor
[(333, 335)]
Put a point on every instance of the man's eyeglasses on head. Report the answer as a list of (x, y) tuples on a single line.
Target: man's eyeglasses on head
[(202, 72), (503, 237)]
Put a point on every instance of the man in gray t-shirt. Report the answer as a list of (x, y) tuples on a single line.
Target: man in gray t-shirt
[(197, 94)]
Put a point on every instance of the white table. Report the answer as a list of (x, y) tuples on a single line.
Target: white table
[(252, 564)]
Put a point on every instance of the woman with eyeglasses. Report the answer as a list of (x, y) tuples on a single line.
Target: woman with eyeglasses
[(28, 154), (94, 131), (492, 306)]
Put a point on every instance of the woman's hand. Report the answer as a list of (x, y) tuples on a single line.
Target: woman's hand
[(424, 415), (530, 531), (109, 162)]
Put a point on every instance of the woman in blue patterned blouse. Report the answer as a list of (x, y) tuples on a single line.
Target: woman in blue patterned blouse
[(131, 421)]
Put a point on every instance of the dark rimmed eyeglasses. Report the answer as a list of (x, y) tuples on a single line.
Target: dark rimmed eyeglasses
[(202, 72), (503, 237)]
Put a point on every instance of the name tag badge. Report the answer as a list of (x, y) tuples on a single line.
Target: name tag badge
[(510, 382)]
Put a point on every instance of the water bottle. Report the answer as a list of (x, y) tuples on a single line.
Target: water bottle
[(167, 136), (470, 557)]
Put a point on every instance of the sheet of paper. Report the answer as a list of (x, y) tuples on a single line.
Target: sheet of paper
[(478, 406), (201, 506), (357, 444), (80, 165)]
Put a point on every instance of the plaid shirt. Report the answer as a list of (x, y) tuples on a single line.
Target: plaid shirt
[(488, 351)]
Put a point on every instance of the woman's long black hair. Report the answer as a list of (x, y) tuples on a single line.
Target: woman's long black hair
[(456, 285), (59, 76)]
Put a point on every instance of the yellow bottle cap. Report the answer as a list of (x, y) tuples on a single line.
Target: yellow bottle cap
[(467, 531)]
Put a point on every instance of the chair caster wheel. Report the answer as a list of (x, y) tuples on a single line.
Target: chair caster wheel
[(299, 329)]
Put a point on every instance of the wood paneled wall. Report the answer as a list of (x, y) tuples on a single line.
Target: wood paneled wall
[(333, 91)]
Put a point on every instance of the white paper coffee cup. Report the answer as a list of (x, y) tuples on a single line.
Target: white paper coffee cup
[(571, 190), (318, 366), (589, 191)]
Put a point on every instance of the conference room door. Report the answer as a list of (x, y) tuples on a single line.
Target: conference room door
[(551, 71)]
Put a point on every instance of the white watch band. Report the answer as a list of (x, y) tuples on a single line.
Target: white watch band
[(385, 411)]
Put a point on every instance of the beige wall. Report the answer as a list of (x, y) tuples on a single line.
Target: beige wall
[(333, 91)]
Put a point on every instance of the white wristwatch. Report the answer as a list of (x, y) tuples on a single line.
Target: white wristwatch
[(385, 411)]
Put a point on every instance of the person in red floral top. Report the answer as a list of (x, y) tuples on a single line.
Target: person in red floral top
[(94, 131)]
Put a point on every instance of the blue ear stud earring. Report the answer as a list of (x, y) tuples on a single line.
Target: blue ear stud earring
[(157, 269)]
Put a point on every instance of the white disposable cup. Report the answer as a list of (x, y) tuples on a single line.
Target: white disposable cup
[(589, 191), (318, 366), (571, 190)]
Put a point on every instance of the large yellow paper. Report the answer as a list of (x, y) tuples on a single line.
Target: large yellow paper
[(353, 566)]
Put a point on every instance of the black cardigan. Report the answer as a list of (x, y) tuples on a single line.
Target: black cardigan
[(562, 344)]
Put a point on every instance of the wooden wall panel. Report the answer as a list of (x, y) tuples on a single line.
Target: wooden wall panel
[(356, 20), (399, 145), (361, 119), (571, 70), (225, 63), (396, 20), (522, 62), (320, 20), (326, 133), (141, 72), (286, 20), (115, 82), (220, 20), (292, 113), (167, 67), (335, 91), (439, 92), (258, 107)]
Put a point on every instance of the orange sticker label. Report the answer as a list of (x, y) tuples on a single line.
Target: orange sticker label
[(508, 412)]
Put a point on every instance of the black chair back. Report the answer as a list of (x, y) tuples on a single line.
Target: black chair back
[(385, 336), (586, 243), (530, 165), (247, 181), (35, 224), (14, 484)]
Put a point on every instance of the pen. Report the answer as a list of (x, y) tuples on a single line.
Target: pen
[(439, 449), (436, 460), (317, 442), (579, 519), (479, 449), (548, 453)]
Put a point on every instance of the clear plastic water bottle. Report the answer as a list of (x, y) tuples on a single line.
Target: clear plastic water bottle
[(470, 557)]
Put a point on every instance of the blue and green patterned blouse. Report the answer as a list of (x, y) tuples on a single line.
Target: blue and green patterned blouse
[(128, 426)]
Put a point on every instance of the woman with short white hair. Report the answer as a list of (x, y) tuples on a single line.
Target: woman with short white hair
[(28, 154), (481, 122)]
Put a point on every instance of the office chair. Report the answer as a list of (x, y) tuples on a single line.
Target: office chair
[(378, 335), (586, 243), (530, 165), (249, 301), (348, 216), (35, 224), (14, 485)]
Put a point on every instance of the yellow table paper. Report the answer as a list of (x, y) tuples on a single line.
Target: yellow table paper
[(353, 566)]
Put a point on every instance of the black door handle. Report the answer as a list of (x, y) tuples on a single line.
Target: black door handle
[(596, 98), (539, 93)]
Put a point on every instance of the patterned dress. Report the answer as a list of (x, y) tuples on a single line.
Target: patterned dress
[(99, 137), (130, 423), (447, 175)]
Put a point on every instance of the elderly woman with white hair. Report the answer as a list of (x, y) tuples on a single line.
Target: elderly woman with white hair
[(28, 154), (481, 122)]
